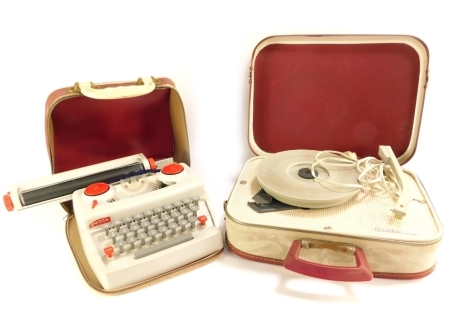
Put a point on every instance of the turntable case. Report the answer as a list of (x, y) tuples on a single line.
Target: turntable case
[(92, 123), (343, 93)]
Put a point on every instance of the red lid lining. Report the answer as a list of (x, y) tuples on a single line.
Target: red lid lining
[(335, 96), (89, 131)]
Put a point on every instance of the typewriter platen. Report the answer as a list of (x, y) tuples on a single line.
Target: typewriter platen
[(136, 225)]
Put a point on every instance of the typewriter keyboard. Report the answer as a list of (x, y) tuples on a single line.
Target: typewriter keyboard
[(154, 230)]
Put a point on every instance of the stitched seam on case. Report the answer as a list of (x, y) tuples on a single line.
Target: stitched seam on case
[(253, 257)]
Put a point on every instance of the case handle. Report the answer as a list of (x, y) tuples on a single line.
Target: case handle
[(361, 272), (141, 87)]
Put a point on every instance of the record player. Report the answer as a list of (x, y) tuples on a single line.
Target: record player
[(320, 107)]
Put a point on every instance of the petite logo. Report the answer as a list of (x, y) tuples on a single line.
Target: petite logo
[(99, 222)]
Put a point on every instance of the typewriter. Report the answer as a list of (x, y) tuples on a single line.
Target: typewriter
[(137, 218)]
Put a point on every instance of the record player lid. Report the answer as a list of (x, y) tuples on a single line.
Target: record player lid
[(337, 92)]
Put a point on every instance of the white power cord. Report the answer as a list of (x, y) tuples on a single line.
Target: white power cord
[(375, 176)]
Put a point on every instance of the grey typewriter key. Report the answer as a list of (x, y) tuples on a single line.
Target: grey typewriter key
[(175, 215), (187, 202), (163, 230), (107, 227), (168, 208), (178, 205), (148, 214), (155, 221), (173, 226), (194, 210), (193, 221), (134, 228), (142, 237), (185, 212), (153, 234), (138, 217), (124, 231), (158, 211), (145, 225), (128, 220), (196, 200), (162, 246), (113, 236), (183, 223), (120, 244), (131, 240), (165, 218), (117, 224)]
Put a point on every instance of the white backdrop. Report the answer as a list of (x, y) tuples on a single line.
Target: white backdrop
[(205, 47)]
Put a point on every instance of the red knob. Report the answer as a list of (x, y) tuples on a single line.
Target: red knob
[(153, 165), (8, 202), (172, 169), (96, 189), (202, 219)]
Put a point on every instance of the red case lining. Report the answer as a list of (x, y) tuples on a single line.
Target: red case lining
[(89, 131), (335, 97)]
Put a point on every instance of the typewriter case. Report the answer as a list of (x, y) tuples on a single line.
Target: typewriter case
[(92, 123), (342, 93)]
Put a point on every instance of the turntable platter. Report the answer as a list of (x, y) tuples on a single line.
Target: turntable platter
[(282, 175)]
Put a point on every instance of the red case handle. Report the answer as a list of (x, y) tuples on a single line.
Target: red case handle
[(361, 272)]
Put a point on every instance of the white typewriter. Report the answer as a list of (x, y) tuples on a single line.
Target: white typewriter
[(136, 225)]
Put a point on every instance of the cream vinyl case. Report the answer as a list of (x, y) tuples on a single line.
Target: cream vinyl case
[(332, 118)]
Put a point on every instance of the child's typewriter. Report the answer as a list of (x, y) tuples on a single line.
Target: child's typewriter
[(137, 218)]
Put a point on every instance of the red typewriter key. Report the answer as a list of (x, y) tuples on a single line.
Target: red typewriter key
[(109, 251)]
